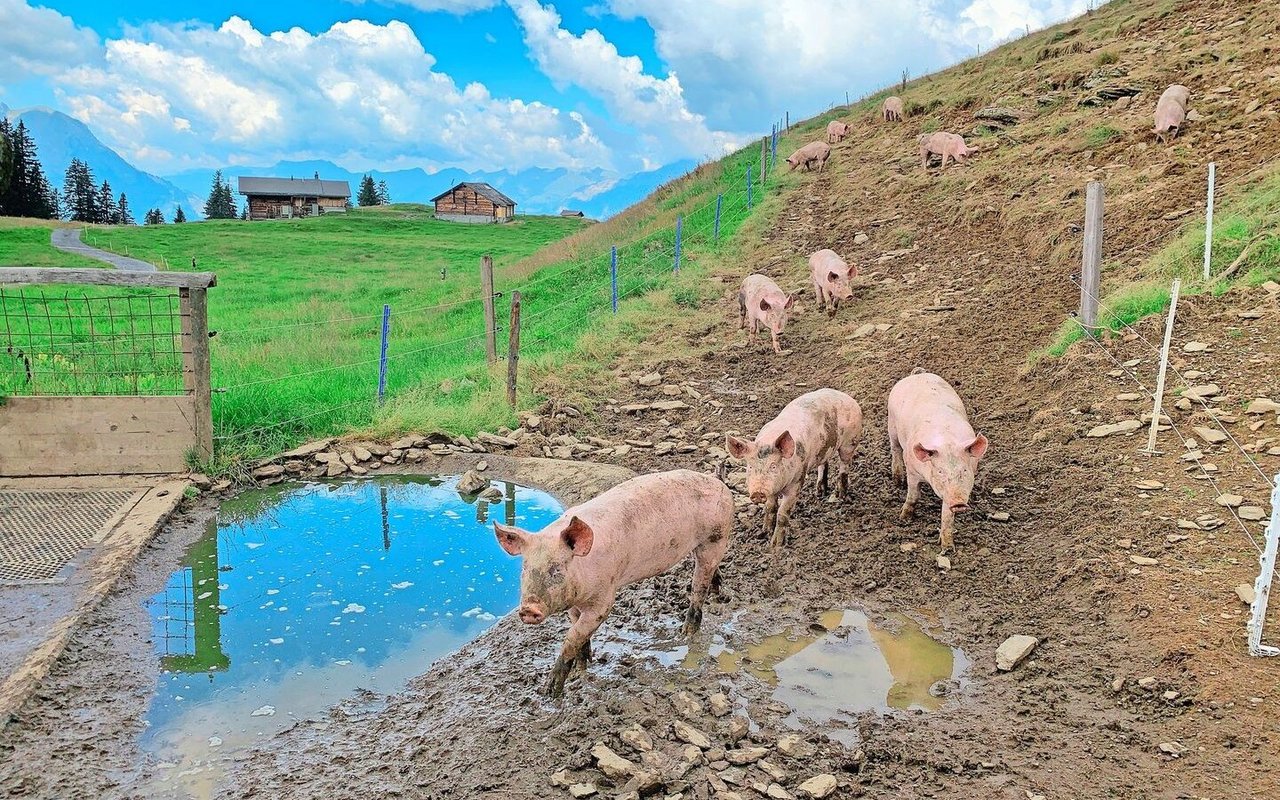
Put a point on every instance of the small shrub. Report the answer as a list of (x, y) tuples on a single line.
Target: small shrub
[(1061, 128), (930, 125), (1101, 135), (1105, 57), (902, 237)]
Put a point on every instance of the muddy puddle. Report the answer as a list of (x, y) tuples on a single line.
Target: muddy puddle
[(300, 597)]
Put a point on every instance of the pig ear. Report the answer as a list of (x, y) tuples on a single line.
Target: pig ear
[(738, 448), (833, 276), (922, 453), (978, 447), (513, 540), (791, 301), (578, 536), (764, 304), (785, 444)]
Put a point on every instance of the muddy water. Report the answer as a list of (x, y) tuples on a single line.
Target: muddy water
[(298, 597)]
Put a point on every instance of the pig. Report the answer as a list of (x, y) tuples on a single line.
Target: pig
[(892, 109), (947, 145), (1171, 112), (801, 439), (640, 528), (807, 155), (931, 440), (836, 131), (830, 275), (761, 302)]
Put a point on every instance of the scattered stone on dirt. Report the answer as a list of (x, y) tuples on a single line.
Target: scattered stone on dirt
[(1203, 391), (1229, 500), (720, 705), (496, 440), (1172, 749), (1263, 405), (335, 469), (1144, 561), (690, 735), (1124, 426), (738, 727), (638, 738), (269, 471), (471, 482), (908, 547), (686, 705), (1194, 347), (861, 238), (1149, 485), (778, 792), (1129, 396), (650, 379), (818, 786), (491, 495), (1013, 650), (582, 789), (610, 763), (746, 755), (998, 516), (1210, 435), (792, 745), (1251, 513), (944, 563), (264, 711), (1246, 594)]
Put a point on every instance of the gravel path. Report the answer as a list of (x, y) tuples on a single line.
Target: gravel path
[(68, 240)]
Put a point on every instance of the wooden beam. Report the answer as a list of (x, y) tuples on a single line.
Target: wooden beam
[(107, 277)]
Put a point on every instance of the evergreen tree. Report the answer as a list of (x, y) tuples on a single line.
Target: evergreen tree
[(124, 215), (153, 217), (178, 216), (24, 190), (108, 214), (244, 215), (384, 194), (6, 160), (79, 197), (368, 195), (220, 204)]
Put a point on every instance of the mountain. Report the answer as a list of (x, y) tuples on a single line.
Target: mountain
[(59, 138), (596, 192)]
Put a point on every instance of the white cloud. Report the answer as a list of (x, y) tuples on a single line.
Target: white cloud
[(451, 6), (40, 41), (654, 107), (988, 22)]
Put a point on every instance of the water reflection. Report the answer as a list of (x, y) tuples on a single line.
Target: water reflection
[(299, 595)]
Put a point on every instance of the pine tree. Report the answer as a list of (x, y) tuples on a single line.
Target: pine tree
[(368, 195), (123, 214), (108, 214), (244, 215), (24, 190), (384, 194), (220, 204), (178, 216), (79, 197), (6, 161), (153, 217)]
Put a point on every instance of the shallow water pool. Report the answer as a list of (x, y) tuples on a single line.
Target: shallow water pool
[(300, 595)]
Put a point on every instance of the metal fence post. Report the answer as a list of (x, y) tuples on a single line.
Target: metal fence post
[(1208, 220), (748, 187), (773, 150), (679, 227), (715, 236), (382, 359), (1266, 573), (613, 276), (1091, 264), (490, 317)]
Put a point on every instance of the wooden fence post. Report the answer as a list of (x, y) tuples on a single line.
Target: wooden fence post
[(1164, 365), (194, 310), (1091, 264), (513, 349), (490, 321)]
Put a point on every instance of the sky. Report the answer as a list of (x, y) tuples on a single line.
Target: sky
[(618, 85)]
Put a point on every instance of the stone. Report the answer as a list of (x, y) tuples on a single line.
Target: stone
[(1229, 500), (269, 471), (471, 482), (497, 441), (651, 379), (690, 735), (907, 547), (998, 516), (686, 704), (1251, 513), (1194, 347), (737, 728), (1263, 405), (1204, 391), (1013, 650), (735, 776), (1173, 749), (335, 469), (295, 467), (746, 755), (1147, 683), (200, 481), (221, 486), (1188, 525), (861, 238), (944, 563), (533, 422), (1169, 695), (777, 792), (362, 453), (612, 764), (1129, 396), (866, 329), (491, 495), (1149, 486), (720, 705), (818, 786), (406, 442), (1246, 594), (776, 772), (669, 405), (671, 390), (1124, 426), (582, 789), (794, 746), (1210, 435), (638, 738), (1144, 561), (356, 469), (414, 454), (308, 449)]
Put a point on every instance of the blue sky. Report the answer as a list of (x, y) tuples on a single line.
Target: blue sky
[(621, 85)]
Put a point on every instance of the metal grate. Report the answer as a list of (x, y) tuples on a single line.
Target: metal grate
[(42, 529)]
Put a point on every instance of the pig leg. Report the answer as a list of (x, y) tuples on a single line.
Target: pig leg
[(895, 450), (583, 661), (913, 497), (786, 502), (742, 310), (947, 532), (823, 486), (706, 565), (770, 513), (817, 292), (776, 347), (844, 456), (835, 306), (579, 635)]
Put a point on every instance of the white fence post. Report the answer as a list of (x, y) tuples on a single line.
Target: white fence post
[(1208, 220), (1174, 291), (1262, 586)]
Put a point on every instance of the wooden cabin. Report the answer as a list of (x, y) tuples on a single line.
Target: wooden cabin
[(474, 203), (570, 212), (282, 198)]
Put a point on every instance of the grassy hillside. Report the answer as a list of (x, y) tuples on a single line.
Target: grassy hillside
[(25, 242)]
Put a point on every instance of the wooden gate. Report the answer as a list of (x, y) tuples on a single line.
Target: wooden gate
[(103, 372)]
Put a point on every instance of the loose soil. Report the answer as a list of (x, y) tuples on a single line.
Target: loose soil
[(1072, 721)]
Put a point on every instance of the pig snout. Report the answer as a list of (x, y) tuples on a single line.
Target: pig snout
[(758, 497), (531, 613)]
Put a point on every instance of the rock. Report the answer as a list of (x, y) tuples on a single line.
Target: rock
[(1173, 749), (414, 454), (1149, 486), (335, 469), (221, 486), (533, 422), (737, 728), (1271, 287), (612, 764), (482, 465), (295, 467), (1204, 391), (1194, 347), (776, 772), (1124, 426), (1169, 695), (1144, 561), (269, 471), (471, 482), (495, 440), (669, 405), (777, 792), (746, 755), (1147, 683), (1129, 396), (1013, 650), (818, 786), (638, 738), (792, 745), (200, 481), (690, 735), (1187, 525), (1263, 405), (356, 469), (1210, 435), (1251, 513), (491, 495), (998, 516), (720, 705), (735, 776), (944, 563), (361, 453), (865, 329), (1246, 594), (1229, 500), (671, 390), (264, 711), (907, 547), (644, 782), (308, 449), (651, 379), (406, 442), (686, 704), (582, 789)]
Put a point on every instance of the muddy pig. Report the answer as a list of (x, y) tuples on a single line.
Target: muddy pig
[(807, 155), (1171, 111), (761, 302), (801, 439), (892, 109), (931, 441), (947, 145), (640, 528), (836, 131), (830, 275)]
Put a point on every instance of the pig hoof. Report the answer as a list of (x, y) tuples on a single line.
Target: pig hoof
[(692, 622), (908, 513)]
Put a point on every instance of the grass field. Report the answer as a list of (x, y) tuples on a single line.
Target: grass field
[(25, 242)]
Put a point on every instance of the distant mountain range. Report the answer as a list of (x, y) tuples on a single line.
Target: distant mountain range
[(597, 193)]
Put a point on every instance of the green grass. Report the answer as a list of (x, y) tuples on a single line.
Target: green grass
[(1101, 135), (25, 243), (1105, 57)]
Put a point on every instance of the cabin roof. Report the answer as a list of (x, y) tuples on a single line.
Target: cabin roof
[(483, 189), (293, 187)]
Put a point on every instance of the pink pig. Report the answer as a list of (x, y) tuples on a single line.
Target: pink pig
[(931, 441), (836, 131), (947, 145), (761, 302), (891, 111), (640, 528), (1171, 111), (806, 433), (830, 275), (807, 155)]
